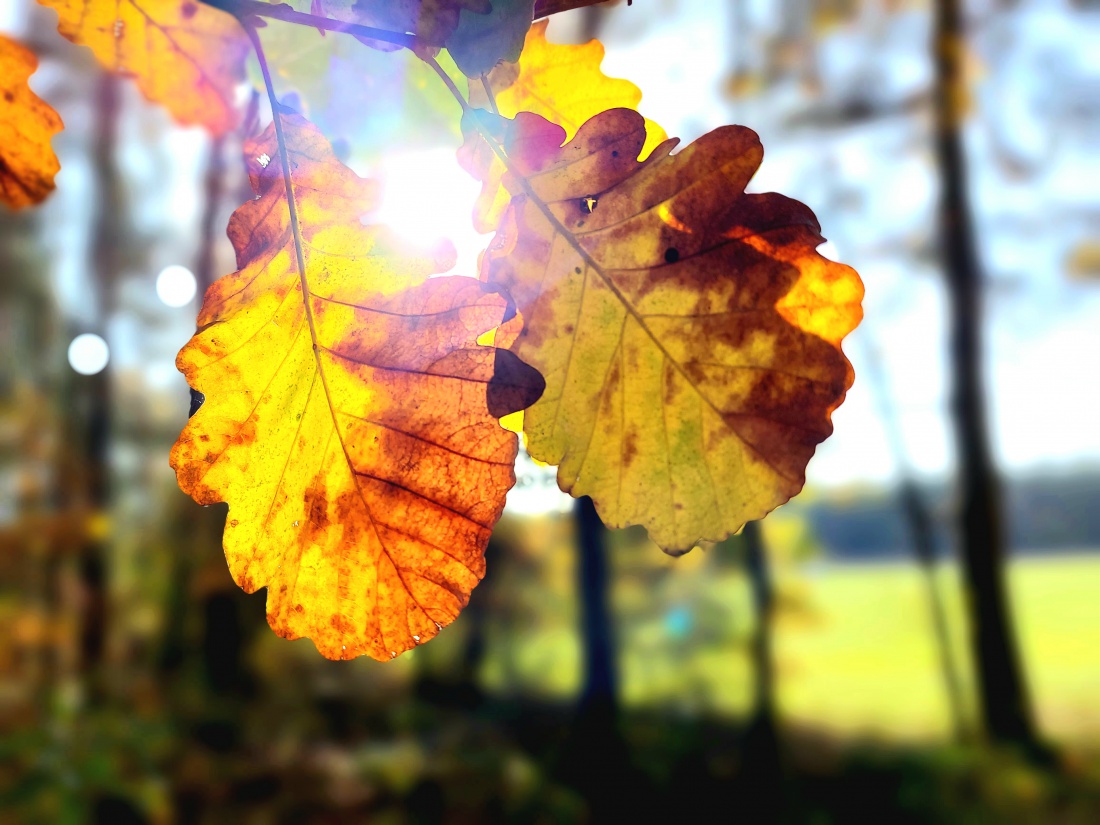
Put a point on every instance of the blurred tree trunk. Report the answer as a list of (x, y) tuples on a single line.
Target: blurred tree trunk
[(203, 525), (596, 758), (213, 191), (599, 695), (763, 772), (763, 601), (918, 519), (91, 409), (1005, 706)]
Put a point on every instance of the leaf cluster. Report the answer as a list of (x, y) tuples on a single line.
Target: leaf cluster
[(672, 341)]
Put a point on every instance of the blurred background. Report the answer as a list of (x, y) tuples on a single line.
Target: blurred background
[(818, 668)]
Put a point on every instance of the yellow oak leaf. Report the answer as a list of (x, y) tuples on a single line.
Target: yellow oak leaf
[(565, 85), (689, 333), (350, 418), (185, 55), (27, 162)]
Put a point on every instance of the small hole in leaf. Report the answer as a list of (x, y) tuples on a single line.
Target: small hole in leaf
[(264, 160), (672, 255), (197, 400), (588, 204)]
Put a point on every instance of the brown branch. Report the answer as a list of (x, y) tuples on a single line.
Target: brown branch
[(282, 12), (242, 9), (545, 8)]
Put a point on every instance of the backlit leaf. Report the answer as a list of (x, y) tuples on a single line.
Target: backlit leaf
[(354, 434), (689, 333), (27, 162), (564, 84), (482, 40), (184, 54)]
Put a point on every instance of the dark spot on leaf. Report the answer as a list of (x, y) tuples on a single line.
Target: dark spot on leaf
[(615, 153), (630, 448), (672, 255), (188, 10), (317, 521), (9, 96), (577, 270)]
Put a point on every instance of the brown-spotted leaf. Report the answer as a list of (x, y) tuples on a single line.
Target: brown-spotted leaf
[(689, 333), (350, 417), (27, 161), (564, 84), (184, 54)]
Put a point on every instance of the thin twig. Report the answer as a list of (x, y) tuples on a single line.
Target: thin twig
[(242, 9), (489, 94), (446, 78)]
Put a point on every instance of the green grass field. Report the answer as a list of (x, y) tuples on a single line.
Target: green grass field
[(854, 648), (866, 661)]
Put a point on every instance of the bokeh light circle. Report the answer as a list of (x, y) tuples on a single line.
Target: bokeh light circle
[(88, 354), (176, 285)]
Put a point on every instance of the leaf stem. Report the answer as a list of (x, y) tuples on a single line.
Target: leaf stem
[(492, 98), (284, 162), (446, 78), (292, 206)]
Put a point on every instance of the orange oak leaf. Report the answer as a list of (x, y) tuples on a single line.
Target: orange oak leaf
[(350, 418), (564, 84), (27, 162), (184, 54), (689, 333)]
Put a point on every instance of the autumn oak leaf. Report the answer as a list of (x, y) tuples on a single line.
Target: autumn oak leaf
[(350, 418), (564, 84), (481, 41), (27, 123), (689, 333), (183, 54)]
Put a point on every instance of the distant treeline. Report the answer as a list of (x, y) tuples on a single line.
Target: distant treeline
[(1042, 514)]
